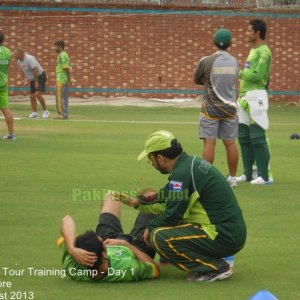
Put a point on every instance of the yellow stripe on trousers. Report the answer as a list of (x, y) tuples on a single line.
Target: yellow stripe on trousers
[(168, 242), (59, 106)]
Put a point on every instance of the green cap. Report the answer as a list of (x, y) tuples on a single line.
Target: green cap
[(223, 37), (157, 141)]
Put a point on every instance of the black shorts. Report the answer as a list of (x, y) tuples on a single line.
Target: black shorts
[(109, 227), (42, 84)]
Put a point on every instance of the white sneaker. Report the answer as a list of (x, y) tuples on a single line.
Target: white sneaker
[(33, 115), (46, 114), (10, 137), (241, 178), (260, 180), (232, 181)]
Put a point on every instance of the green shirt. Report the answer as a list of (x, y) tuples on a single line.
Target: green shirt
[(123, 267), (62, 62), (198, 193), (5, 58), (256, 72)]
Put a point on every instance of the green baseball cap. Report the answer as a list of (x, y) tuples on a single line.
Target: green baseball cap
[(222, 37), (158, 140)]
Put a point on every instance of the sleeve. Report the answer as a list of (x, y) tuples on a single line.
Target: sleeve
[(176, 201), (258, 73), (141, 270), (199, 73)]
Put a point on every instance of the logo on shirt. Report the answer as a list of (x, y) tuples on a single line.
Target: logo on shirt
[(175, 186), (247, 65)]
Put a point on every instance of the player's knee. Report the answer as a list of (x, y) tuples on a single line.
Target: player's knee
[(158, 239), (257, 134)]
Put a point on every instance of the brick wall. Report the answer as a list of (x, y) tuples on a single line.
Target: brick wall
[(134, 54)]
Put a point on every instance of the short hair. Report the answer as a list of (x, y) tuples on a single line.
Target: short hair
[(60, 43), (171, 152), (1, 36), (259, 25), (89, 241)]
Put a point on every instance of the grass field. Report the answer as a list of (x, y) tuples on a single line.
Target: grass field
[(97, 149)]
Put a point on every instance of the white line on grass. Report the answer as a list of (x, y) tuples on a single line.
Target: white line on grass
[(136, 121)]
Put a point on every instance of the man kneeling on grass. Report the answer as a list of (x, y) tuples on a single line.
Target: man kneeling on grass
[(108, 255)]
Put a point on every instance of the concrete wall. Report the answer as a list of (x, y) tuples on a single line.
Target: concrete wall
[(146, 52)]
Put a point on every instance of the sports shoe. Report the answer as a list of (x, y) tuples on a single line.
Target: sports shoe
[(224, 272), (10, 137), (241, 178), (46, 114), (232, 181), (260, 180), (33, 115)]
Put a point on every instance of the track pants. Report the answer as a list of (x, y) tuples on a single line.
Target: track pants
[(62, 100), (189, 248)]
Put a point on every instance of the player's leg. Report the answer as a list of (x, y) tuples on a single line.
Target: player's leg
[(208, 131), (33, 102), (42, 89), (246, 150), (109, 225), (228, 132), (65, 101), (7, 115), (59, 100), (137, 233), (261, 151), (189, 248)]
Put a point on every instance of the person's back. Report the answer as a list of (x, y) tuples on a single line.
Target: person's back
[(219, 75), (5, 58)]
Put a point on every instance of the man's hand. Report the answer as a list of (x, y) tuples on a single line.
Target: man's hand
[(244, 104), (147, 237), (83, 257), (133, 202)]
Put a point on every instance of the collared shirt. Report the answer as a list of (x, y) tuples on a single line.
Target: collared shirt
[(27, 64)]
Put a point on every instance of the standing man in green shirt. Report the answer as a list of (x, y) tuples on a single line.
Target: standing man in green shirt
[(63, 78), (107, 255), (5, 59), (198, 218), (254, 81)]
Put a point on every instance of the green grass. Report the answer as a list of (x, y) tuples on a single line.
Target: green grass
[(50, 158)]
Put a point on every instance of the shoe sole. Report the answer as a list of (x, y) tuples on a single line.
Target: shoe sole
[(221, 276)]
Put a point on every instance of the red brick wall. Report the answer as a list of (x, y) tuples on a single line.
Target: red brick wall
[(137, 51)]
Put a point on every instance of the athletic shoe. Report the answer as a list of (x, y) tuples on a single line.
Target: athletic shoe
[(33, 115), (232, 181), (10, 137), (224, 272), (260, 180), (46, 114), (241, 178)]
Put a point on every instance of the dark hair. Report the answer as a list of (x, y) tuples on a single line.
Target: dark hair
[(89, 241), (60, 44), (1, 36), (171, 152), (259, 25)]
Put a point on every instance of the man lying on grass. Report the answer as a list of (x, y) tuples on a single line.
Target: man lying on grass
[(108, 255)]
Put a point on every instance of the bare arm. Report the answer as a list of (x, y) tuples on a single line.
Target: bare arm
[(68, 230)]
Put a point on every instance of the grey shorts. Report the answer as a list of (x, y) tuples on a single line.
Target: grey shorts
[(226, 129)]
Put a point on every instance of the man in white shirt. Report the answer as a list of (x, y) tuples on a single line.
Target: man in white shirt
[(34, 73)]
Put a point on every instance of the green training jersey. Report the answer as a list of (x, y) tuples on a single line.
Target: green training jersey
[(62, 62), (123, 267), (256, 72), (5, 58), (198, 193)]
